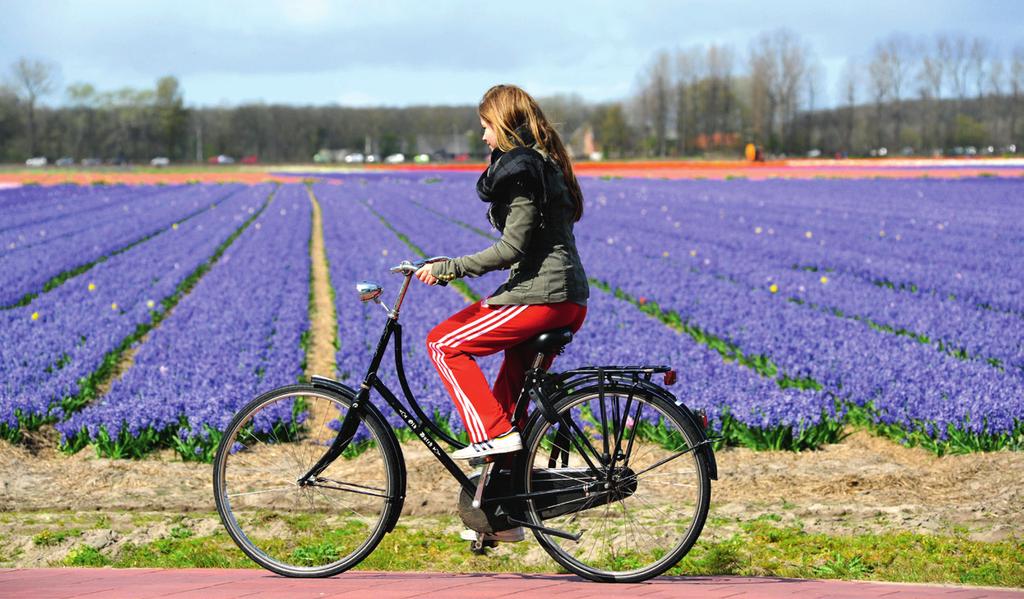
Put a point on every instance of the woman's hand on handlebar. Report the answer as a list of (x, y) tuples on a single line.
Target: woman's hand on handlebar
[(424, 275)]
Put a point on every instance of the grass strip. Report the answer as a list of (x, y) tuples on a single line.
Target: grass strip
[(759, 547)]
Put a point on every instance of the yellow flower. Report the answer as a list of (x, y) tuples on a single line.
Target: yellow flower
[(757, 230), (808, 235), (113, 306), (774, 288), (693, 252), (824, 280), (881, 233), (664, 254), (35, 316), (92, 286), (175, 226), (384, 252), (150, 304)]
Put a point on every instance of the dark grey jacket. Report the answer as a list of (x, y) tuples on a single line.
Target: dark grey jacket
[(545, 266)]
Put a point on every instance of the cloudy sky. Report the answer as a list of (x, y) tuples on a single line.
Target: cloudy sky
[(401, 53)]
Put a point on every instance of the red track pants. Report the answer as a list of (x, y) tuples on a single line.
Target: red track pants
[(481, 330)]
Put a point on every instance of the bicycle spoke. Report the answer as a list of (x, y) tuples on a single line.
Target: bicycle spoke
[(277, 490)]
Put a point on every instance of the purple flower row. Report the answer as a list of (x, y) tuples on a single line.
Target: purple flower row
[(33, 204), (42, 251), (237, 334), (56, 342)]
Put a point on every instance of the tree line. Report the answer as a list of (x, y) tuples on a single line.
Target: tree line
[(920, 96)]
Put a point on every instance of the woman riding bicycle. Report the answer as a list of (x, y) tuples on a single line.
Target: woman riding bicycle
[(534, 199)]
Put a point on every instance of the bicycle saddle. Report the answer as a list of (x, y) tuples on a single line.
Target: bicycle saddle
[(551, 342)]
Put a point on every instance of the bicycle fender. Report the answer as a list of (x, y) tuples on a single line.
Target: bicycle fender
[(688, 413), (390, 438)]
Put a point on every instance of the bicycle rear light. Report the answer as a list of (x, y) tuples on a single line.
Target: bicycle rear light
[(703, 415), (670, 377)]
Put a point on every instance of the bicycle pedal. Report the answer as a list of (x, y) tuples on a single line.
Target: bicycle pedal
[(480, 461)]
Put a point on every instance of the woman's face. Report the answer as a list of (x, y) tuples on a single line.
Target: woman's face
[(489, 137)]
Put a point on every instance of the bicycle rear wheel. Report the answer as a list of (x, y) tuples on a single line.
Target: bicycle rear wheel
[(313, 530), (638, 501)]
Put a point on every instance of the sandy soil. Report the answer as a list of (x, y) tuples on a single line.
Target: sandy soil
[(864, 483)]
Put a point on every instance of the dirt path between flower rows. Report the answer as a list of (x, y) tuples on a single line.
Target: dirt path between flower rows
[(862, 484)]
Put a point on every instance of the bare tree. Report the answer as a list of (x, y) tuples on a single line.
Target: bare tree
[(763, 102), (933, 69), (1016, 85), (719, 90), (959, 67), (978, 56), (879, 74), (688, 70), (778, 68), (890, 70), (994, 98), (657, 102), (34, 79), (849, 82)]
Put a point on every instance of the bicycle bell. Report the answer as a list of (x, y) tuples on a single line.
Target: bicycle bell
[(368, 291)]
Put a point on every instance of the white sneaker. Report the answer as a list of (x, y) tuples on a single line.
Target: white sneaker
[(512, 535), (506, 443)]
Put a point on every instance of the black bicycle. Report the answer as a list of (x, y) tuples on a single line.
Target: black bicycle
[(614, 478)]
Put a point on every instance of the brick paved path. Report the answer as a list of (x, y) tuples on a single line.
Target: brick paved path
[(209, 583)]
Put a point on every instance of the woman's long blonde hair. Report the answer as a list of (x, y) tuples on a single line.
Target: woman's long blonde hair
[(508, 107)]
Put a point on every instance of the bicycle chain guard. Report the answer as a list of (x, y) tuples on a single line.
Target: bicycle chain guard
[(574, 490)]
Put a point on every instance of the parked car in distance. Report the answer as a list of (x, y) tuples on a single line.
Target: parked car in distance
[(160, 161), (91, 162), (65, 161), (372, 158), (250, 159), (421, 158), (395, 158), (220, 159), (36, 161), (355, 157)]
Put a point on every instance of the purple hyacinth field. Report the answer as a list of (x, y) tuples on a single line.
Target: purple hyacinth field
[(140, 318), (789, 306)]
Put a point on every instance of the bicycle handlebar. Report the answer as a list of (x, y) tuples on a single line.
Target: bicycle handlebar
[(408, 268)]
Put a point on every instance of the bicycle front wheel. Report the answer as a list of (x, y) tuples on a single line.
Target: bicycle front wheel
[(619, 467), (316, 529)]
